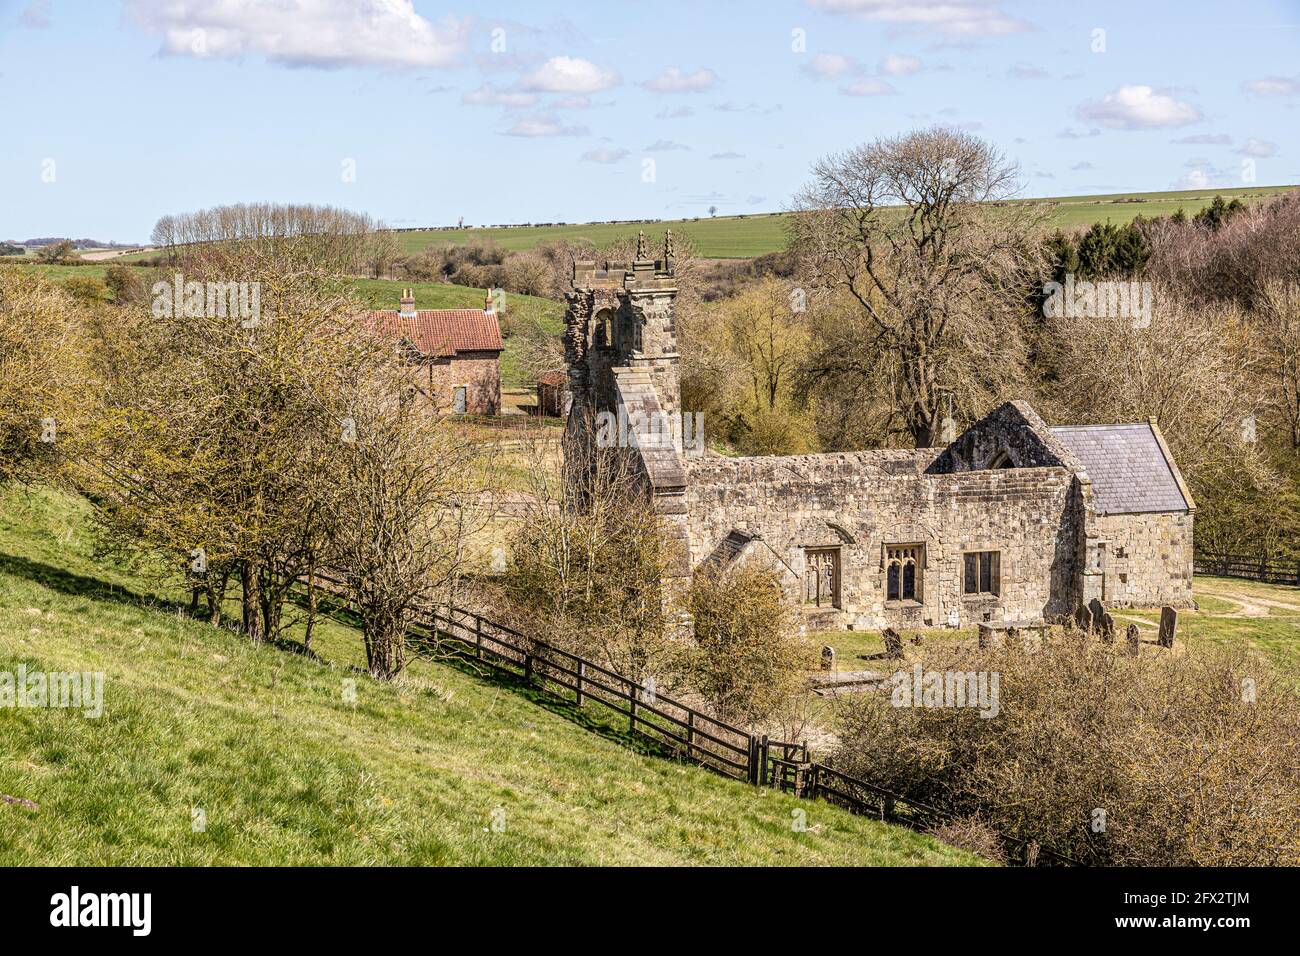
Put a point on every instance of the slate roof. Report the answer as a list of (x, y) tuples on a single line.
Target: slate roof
[(1128, 467), (442, 333)]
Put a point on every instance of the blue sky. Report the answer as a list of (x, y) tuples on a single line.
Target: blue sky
[(424, 112)]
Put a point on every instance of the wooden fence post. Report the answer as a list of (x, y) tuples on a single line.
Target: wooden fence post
[(886, 807), (690, 734), (753, 759), (582, 672), (1031, 853), (632, 693), (478, 638), (528, 668), (762, 761)]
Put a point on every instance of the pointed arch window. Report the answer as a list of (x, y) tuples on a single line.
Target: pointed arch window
[(904, 572)]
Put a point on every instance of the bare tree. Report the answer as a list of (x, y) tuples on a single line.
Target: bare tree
[(937, 281), (401, 511)]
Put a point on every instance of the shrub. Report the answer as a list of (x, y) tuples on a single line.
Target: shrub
[(86, 288), (1160, 760), (748, 659), (127, 286)]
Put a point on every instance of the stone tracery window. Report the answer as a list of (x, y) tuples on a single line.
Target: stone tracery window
[(904, 572), (822, 577)]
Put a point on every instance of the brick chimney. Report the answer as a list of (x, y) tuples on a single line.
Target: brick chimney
[(408, 304), (489, 307)]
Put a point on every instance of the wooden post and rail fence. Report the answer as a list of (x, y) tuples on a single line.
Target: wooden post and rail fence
[(671, 725), (1250, 567)]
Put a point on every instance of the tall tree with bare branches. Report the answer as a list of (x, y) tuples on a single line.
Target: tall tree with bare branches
[(937, 278)]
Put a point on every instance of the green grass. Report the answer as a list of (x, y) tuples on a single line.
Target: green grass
[(289, 772), (1265, 617)]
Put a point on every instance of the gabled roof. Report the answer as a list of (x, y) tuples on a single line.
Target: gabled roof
[(442, 333), (1130, 468)]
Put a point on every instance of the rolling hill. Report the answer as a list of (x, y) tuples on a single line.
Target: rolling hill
[(264, 749)]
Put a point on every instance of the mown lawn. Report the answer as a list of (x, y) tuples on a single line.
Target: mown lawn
[(443, 767)]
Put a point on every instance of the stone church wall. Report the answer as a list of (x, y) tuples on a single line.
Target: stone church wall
[(861, 503)]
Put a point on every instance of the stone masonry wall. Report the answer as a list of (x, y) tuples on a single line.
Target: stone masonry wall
[(861, 502), (1148, 559)]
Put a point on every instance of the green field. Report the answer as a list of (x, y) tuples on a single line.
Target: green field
[(442, 767), (743, 237)]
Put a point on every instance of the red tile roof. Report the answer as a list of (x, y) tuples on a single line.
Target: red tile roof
[(442, 333)]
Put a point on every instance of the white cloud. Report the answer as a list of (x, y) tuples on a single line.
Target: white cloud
[(572, 103), (1201, 175), (898, 65), (489, 95), (830, 65), (1138, 107), (869, 87), (1274, 86), (665, 146), (1204, 139), (727, 155), (1258, 148), (318, 33), (544, 125), (676, 112), (673, 80), (954, 19), (570, 74), (604, 155)]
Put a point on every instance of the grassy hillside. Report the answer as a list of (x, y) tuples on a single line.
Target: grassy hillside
[(289, 772), (743, 237)]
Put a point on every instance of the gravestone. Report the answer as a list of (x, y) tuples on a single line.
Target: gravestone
[(1083, 618), (1134, 640), (1095, 608), (828, 658), (1168, 626), (893, 642), (1107, 628)]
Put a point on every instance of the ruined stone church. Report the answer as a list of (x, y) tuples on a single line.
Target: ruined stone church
[(1015, 520)]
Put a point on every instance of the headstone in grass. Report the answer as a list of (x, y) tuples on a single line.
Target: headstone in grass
[(828, 658), (893, 642), (1134, 637), (1107, 628), (1097, 611), (1083, 618), (1168, 626)]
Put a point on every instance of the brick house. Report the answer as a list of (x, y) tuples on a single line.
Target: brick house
[(1014, 520), (455, 354)]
